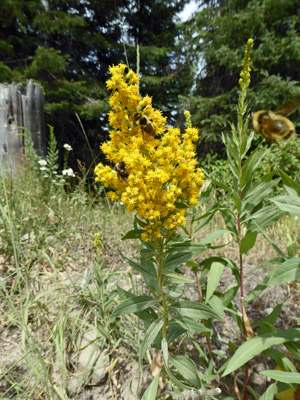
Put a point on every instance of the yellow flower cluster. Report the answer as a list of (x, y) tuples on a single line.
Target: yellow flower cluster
[(244, 80), (161, 178)]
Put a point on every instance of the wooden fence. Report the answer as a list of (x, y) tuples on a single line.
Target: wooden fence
[(20, 107)]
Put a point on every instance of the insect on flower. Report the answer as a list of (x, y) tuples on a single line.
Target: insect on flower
[(121, 170), (145, 124)]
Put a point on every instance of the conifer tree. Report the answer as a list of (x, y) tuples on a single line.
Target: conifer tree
[(67, 47), (217, 35)]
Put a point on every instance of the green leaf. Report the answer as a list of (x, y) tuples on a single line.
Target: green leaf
[(145, 270), (258, 344), (134, 234), (292, 187), (230, 222), (204, 220), (193, 309), (281, 360), (261, 190), (150, 393), (263, 218), (174, 277), (283, 376), (150, 336), (187, 368), (294, 349), (134, 304), (237, 201), (271, 318), (206, 263), (229, 295), (221, 185), (214, 276), (248, 241), (217, 305), (290, 204), (270, 240), (205, 196), (270, 392), (164, 346), (189, 325), (175, 259), (181, 204), (174, 333), (213, 236), (192, 265), (250, 165), (288, 271)]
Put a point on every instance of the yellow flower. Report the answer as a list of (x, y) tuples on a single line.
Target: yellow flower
[(161, 168)]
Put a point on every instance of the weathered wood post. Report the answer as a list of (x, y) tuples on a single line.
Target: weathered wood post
[(20, 107)]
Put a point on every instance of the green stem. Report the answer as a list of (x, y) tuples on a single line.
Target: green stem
[(241, 122), (203, 322), (160, 278)]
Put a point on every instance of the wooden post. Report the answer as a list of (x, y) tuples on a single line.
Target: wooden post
[(20, 107)]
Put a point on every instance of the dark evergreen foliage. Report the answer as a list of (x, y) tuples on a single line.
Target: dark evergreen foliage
[(217, 35), (67, 46)]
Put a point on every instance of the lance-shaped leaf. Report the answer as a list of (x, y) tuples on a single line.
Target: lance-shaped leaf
[(134, 304), (187, 368), (134, 234), (257, 345), (193, 309), (283, 376), (290, 204), (288, 271), (150, 336), (292, 187), (151, 391), (189, 324), (145, 269), (174, 277), (214, 276)]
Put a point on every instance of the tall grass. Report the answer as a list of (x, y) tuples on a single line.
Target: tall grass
[(47, 250)]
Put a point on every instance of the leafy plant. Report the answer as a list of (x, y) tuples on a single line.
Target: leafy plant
[(167, 313)]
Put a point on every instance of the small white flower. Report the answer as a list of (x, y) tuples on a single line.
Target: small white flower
[(68, 172), (67, 147), (43, 169), (42, 162)]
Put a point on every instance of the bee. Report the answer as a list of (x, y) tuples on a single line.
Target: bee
[(273, 125), (121, 170), (145, 124)]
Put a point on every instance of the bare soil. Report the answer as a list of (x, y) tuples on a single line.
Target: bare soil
[(125, 381)]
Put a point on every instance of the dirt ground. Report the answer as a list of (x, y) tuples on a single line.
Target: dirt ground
[(127, 383)]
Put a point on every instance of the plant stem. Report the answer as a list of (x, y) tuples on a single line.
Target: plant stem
[(203, 322), (240, 131), (160, 264)]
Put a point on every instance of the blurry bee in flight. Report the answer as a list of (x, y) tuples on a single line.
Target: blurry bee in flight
[(145, 124), (273, 125), (121, 170)]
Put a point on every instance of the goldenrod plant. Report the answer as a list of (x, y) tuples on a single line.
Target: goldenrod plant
[(153, 172), (162, 179)]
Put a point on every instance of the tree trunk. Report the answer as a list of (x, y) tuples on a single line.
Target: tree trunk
[(20, 108)]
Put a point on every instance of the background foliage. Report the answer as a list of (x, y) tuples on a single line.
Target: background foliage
[(67, 47)]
